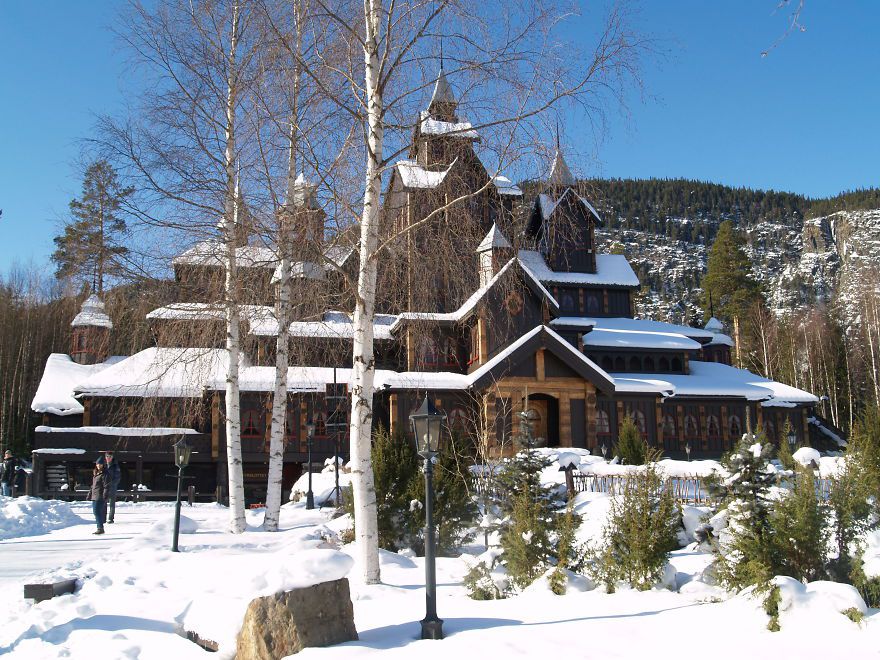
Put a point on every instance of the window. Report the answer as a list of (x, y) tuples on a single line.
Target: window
[(770, 429), (691, 428), (639, 418), (320, 421), (251, 423), (649, 364), (669, 426), (603, 424), (428, 352), (619, 364), (607, 363), (593, 306), (713, 428), (80, 341), (457, 419), (664, 364), (635, 364), (450, 358), (676, 365), (734, 427), (567, 301)]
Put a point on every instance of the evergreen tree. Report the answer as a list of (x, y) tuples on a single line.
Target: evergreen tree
[(91, 247), (640, 533), (729, 278), (784, 452), (395, 466), (631, 448), (800, 525)]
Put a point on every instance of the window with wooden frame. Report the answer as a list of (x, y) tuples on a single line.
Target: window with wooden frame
[(428, 352), (691, 427), (320, 421), (450, 355), (251, 422), (734, 428)]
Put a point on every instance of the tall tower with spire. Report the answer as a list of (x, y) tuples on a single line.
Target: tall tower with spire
[(90, 339)]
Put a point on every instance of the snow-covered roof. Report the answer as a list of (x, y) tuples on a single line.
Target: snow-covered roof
[(315, 379), (333, 325), (55, 392), (716, 380), (196, 311), (547, 204), (413, 175), (212, 253), (505, 186), (338, 254), (634, 325), (468, 306), (714, 325), (306, 270), (721, 339), (628, 339), (442, 90), (159, 372), (611, 270), (430, 126), (494, 239), (118, 430), (92, 314)]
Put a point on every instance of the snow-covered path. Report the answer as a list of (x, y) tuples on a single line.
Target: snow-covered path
[(21, 557)]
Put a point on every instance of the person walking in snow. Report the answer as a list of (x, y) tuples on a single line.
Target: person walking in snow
[(115, 474), (8, 473), (100, 493)]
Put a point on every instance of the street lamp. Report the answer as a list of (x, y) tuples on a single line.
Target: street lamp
[(310, 433), (687, 450), (792, 439), (182, 453), (604, 451), (426, 423)]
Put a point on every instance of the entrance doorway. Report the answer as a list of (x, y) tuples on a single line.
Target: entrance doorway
[(545, 427)]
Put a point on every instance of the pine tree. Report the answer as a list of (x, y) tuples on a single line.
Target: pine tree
[(640, 533), (395, 466), (800, 525), (91, 248), (729, 278), (784, 452), (630, 448)]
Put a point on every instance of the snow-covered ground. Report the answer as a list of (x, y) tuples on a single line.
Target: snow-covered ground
[(135, 596)]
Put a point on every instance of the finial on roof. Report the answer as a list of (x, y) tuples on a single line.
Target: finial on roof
[(557, 134)]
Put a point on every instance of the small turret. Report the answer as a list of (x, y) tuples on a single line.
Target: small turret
[(493, 252), (90, 340), (443, 102)]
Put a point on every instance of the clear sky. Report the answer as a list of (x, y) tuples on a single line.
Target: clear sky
[(803, 119)]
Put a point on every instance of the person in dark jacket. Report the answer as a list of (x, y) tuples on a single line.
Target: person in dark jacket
[(100, 493), (8, 473), (115, 473)]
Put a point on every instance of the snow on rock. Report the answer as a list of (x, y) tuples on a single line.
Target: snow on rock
[(807, 456), (819, 603), (692, 517), (31, 516)]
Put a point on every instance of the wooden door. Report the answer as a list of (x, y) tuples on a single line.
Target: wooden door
[(539, 424)]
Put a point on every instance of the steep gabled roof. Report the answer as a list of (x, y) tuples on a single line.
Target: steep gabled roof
[(541, 337), (442, 90), (560, 176), (494, 239)]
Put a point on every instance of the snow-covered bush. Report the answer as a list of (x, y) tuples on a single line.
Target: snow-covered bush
[(641, 531)]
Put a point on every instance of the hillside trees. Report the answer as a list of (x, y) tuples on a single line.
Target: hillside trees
[(92, 244), (728, 278)]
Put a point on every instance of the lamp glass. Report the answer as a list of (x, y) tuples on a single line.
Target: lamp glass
[(792, 439), (310, 428), (427, 422), (182, 453)]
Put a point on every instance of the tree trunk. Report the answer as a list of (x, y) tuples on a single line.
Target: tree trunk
[(233, 348), (364, 368)]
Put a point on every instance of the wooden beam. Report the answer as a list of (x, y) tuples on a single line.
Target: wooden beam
[(215, 425), (564, 419), (87, 411), (392, 413), (539, 364)]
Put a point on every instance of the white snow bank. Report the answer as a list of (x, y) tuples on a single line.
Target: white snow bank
[(323, 484), (871, 556), (31, 516), (806, 456), (117, 430), (817, 599)]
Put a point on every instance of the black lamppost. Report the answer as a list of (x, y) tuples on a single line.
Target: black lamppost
[(426, 423), (792, 440), (310, 433), (182, 453)]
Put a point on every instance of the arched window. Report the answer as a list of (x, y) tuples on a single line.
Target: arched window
[(669, 427), (664, 365), (635, 364), (734, 427), (251, 423), (648, 363), (320, 420), (607, 363), (713, 428), (450, 359), (593, 306), (639, 418), (676, 365), (566, 302), (619, 364), (457, 419), (691, 428), (603, 424)]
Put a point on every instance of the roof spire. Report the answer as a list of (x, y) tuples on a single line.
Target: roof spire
[(443, 101), (560, 176), (557, 134)]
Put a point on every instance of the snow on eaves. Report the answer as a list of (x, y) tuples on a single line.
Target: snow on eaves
[(118, 430), (643, 325), (715, 380), (611, 270), (333, 325), (627, 339), (548, 205), (505, 186), (413, 175), (213, 253), (431, 126), (55, 392), (92, 314)]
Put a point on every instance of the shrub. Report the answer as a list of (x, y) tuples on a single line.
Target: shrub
[(630, 448), (640, 533), (853, 614), (480, 585), (800, 525)]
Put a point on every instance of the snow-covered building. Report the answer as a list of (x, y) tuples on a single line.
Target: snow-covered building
[(548, 326)]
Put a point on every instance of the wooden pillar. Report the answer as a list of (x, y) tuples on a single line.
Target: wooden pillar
[(215, 426), (539, 364), (564, 417), (704, 428), (724, 433), (393, 410), (37, 477), (139, 469), (658, 422), (605, 306), (303, 418), (410, 350), (760, 410), (679, 414), (87, 411), (806, 426), (582, 307), (483, 340), (489, 419), (590, 414)]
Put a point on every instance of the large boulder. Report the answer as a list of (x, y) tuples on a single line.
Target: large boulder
[(285, 623)]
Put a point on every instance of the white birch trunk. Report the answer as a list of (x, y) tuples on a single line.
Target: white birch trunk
[(363, 490), (233, 347)]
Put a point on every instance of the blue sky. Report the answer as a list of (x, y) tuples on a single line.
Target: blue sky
[(803, 119)]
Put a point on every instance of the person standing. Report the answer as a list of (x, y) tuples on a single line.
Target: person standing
[(8, 473), (100, 493), (115, 474)]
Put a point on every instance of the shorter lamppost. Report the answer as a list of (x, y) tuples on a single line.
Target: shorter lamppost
[(426, 423), (310, 433), (182, 453), (687, 450)]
